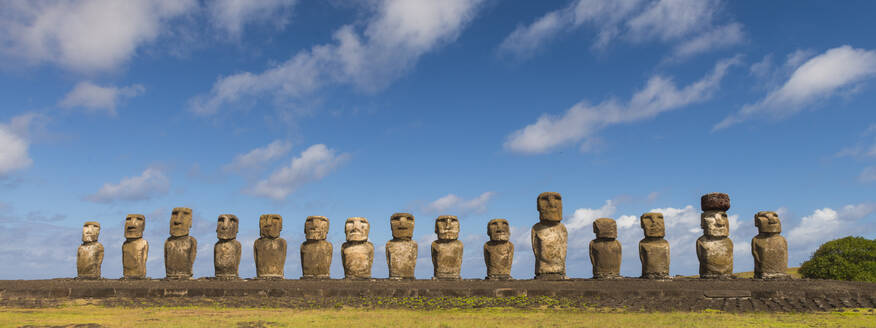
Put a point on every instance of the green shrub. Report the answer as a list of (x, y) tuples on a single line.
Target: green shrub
[(849, 258)]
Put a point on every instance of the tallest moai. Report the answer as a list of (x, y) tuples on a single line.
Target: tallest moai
[(550, 238), (714, 249)]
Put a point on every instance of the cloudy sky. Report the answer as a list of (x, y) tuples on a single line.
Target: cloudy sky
[(464, 107)]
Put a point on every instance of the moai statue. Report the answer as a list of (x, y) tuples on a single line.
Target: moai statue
[(499, 251), (89, 257), (714, 249), (401, 251), (357, 253), (316, 253), (549, 238), (226, 252), (447, 250), (270, 250), (135, 249), (769, 248), (653, 249), (180, 249), (605, 250)]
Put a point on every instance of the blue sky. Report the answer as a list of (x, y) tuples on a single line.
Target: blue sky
[(464, 107)]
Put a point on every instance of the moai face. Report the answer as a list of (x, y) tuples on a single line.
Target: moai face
[(356, 229), (605, 228), (90, 232), (134, 225), (402, 225), (447, 227), (316, 227), (715, 224), (226, 227), (498, 230), (652, 224), (550, 207), (270, 225), (767, 222), (180, 221)]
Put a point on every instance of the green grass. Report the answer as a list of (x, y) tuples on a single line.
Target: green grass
[(491, 317)]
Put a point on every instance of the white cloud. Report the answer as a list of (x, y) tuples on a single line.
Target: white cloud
[(720, 37), (233, 15), (454, 204), (868, 174), (148, 184), (582, 218), (826, 224), (818, 78), (691, 23), (95, 98), (583, 120), (258, 157), (84, 35), (313, 164), (391, 43), (13, 151)]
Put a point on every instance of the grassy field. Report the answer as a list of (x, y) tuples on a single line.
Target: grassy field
[(493, 317)]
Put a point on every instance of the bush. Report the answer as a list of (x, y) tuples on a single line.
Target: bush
[(849, 258)]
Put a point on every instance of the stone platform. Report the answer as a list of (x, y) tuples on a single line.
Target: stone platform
[(680, 294)]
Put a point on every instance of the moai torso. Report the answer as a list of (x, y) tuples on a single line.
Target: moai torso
[(769, 248), (226, 251), (401, 251), (134, 253), (605, 250), (714, 248), (498, 251), (401, 257), (447, 258), (89, 256), (654, 255), (226, 258), (357, 257), (135, 249), (270, 250), (653, 249), (550, 238), (316, 253), (180, 249), (357, 253)]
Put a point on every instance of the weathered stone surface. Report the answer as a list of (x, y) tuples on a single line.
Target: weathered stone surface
[(316, 252), (769, 248), (135, 249), (401, 251), (447, 250), (89, 256), (605, 250), (180, 249), (653, 249), (499, 251), (550, 238), (715, 201), (270, 250), (357, 254), (226, 251)]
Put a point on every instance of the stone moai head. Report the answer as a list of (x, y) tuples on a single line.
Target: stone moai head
[(356, 229), (498, 230), (226, 227), (550, 207), (180, 221), (316, 227), (767, 222), (270, 225), (402, 225), (90, 231), (134, 225), (447, 227), (605, 228), (714, 218), (652, 224)]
